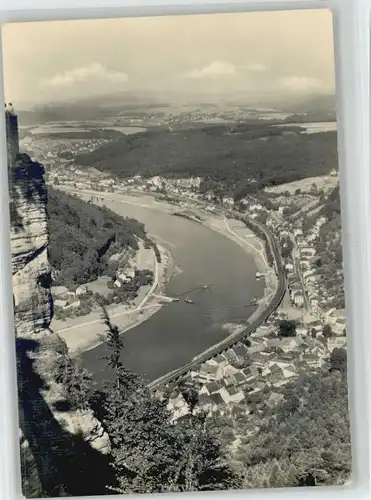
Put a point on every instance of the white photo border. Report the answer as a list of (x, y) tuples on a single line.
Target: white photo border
[(352, 38)]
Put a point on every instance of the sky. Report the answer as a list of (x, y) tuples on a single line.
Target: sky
[(251, 54)]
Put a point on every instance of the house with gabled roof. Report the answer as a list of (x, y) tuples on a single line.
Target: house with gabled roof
[(274, 399), (249, 371), (271, 334), (231, 395), (290, 343), (229, 370), (221, 360), (266, 371), (297, 298), (275, 368), (272, 343), (178, 407), (259, 361), (258, 387), (339, 326), (216, 399), (203, 391), (210, 372), (276, 378), (268, 354), (229, 381), (301, 331), (255, 348), (283, 363), (312, 361), (250, 380), (336, 342), (240, 378), (260, 332), (289, 372), (240, 349), (212, 387), (231, 355)]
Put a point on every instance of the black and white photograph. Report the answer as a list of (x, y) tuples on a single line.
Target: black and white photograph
[(177, 266)]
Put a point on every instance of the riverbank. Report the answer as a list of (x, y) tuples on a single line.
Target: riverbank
[(88, 337), (85, 333)]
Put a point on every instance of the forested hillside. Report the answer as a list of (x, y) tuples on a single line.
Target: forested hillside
[(306, 441), (83, 236), (303, 441), (268, 154)]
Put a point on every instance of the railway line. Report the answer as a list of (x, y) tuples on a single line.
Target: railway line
[(238, 336)]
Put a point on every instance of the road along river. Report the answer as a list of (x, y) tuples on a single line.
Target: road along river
[(179, 330)]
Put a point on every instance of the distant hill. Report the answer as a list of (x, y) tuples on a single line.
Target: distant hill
[(83, 236), (121, 103), (92, 108), (317, 104), (67, 112), (268, 154)]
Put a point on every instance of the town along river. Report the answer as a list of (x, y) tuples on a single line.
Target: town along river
[(179, 330)]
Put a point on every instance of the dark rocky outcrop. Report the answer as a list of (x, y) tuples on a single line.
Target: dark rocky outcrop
[(62, 452)]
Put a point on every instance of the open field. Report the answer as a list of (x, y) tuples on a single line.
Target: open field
[(325, 182)]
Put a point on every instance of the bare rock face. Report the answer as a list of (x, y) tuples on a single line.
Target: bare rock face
[(48, 433), (29, 236)]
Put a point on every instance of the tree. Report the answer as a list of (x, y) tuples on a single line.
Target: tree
[(338, 360), (190, 395), (287, 328), (327, 331), (308, 440), (152, 454), (76, 382)]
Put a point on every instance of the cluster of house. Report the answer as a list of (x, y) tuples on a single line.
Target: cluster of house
[(247, 372), (78, 178), (65, 299), (307, 279), (51, 153), (176, 186), (124, 276), (302, 273), (181, 186)]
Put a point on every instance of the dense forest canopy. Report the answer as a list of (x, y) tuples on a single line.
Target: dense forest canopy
[(306, 440), (230, 157), (83, 236)]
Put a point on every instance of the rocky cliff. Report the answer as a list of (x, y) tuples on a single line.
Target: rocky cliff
[(58, 445)]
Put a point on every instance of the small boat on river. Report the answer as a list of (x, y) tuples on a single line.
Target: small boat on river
[(188, 301)]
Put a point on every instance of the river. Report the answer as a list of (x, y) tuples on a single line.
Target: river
[(180, 331), (313, 127)]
